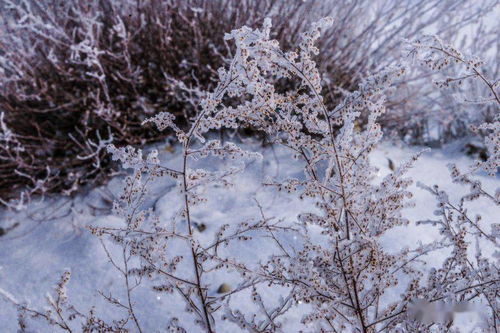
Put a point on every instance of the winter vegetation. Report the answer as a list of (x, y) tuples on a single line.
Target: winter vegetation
[(217, 166)]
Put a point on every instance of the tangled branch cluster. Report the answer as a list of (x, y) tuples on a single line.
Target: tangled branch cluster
[(338, 273), (75, 75)]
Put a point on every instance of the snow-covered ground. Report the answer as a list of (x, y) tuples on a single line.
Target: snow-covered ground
[(51, 236)]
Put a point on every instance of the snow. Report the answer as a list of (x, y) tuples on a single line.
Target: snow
[(52, 235)]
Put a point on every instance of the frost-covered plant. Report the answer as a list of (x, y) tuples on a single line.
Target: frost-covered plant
[(150, 247), (438, 56), (61, 314), (468, 92), (467, 274), (71, 71), (342, 271), (146, 241), (337, 272)]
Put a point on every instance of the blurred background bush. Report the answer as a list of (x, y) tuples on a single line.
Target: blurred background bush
[(75, 74)]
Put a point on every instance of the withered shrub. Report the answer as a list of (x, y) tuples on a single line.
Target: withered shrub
[(75, 74)]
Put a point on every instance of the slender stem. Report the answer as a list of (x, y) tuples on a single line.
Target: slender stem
[(129, 296), (332, 138), (190, 231), (474, 70)]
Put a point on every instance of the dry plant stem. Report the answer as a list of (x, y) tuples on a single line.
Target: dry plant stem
[(489, 84), (196, 264), (64, 325), (125, 272), (432, 300), (204, 305), (331, 135), (355, 304), (129, 289), (193, 251), (61, 324)]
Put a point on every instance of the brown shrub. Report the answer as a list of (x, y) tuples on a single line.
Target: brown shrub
[(74, 72)]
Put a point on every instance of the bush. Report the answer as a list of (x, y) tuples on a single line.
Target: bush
[(77, 73)]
